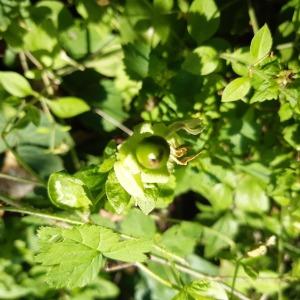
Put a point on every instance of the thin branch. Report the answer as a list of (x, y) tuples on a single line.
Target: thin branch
[(236, 270), (20, 179), (252, 16), (45, 78), (198, 275), (182, 268), (22, 162), (23, 62), (156, 277), (119, 267), (7, 200), (113, 121), (36, 213)]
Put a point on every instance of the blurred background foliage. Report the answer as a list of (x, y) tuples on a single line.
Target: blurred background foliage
[(160, 61)]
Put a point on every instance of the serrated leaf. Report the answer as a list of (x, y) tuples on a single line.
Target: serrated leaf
[(138, 224), (66, 191), (203, 19), (129, 251), (266, 91), (118, 198), (261, 43), (70, 262), (202, 290), (136, 60), (236, 89), (74, 256), (15, 84), (68, 107)]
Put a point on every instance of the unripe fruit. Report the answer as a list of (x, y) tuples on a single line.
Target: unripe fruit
[(153, 152)]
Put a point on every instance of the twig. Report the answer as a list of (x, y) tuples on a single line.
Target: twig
[(119, 267), (20, 179), (198, 275), (252, 16), (182, 268), (22, 162), (23, 61), (36, 213), (9, 201), (156, 277), (113, 121), (236, 270), (45, 77)]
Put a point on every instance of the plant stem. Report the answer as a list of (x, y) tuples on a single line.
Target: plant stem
[(280, 264), (156, 277), (33, 212), (198, 275), (119, 267), (23, 163), (178, 264), (236, 270), (20, 179), (252, 16), (113, 121), (9, 201)]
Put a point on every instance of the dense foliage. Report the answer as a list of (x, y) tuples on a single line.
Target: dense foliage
[(149, 149)]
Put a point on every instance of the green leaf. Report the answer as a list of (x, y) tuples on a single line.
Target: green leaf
[(15, 84), (202, 290), (266, 91), (68, 107), (33, 114), (203, 20), (130, 182), (93, 177), (261, 43), (118, 198), (291, 134), (39, 159), (250, 271), (138, 224), (136, 60), (285, 112), (236, 89), (69, 256), (73, 256), (250, 195), (147, 201), (66, 191), (112, 105), (220, 235), (202, 61), (129, 251), (186, 233)]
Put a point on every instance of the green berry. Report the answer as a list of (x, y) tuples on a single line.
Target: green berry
[(153, 152)]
